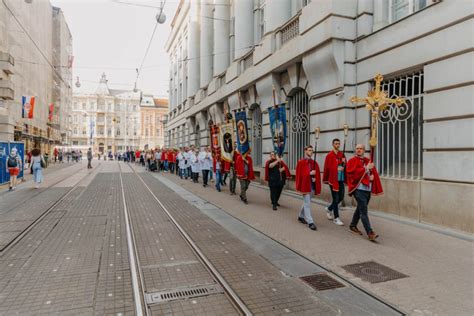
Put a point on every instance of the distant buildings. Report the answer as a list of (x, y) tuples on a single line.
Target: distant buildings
[(39, 66), (112, 120)]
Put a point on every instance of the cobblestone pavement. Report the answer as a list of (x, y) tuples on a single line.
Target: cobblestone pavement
[(439, 267)]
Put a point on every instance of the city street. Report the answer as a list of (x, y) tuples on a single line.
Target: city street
[(115, 238)]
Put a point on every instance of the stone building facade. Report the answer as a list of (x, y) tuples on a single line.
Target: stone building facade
[(316, 55), (34, 61), (152, 116)]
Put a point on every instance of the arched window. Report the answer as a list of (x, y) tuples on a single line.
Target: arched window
[(298, 126), (256, 126)]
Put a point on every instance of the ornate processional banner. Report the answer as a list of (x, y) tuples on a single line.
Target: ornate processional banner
[(242, 132), (226, 132), (277, 116), (215, 143)]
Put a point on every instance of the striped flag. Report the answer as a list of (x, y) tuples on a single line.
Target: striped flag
[(51, 112), (28, 106)]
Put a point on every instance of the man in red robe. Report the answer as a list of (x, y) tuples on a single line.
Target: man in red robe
[(363, 180), (334, 175), (308, 180), (244, 170)]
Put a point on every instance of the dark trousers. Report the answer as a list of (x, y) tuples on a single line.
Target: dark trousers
[(337, 197), (89, 165), (233, 180), (205, 176), (361, 212), (275, 192), (195, 176)]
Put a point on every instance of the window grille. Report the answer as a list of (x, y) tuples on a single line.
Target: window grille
[(257, 136), (298, 127), (290, 31), (400, 129)]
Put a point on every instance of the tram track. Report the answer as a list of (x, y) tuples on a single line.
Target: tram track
[(141, 306), (4, 249)]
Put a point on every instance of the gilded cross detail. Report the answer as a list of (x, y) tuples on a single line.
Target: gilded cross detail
[(376, 101)]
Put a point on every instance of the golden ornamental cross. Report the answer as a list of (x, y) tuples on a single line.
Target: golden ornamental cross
[(376, 101)]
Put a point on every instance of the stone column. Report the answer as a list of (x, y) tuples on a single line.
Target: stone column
[(221, 36), (277, 12), (243, 15), (206, 57), (193, 49)]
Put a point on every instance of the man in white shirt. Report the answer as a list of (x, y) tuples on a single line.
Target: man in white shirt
[(205, 159)]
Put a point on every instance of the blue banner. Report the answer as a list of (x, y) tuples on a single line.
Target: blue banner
[(277, 116), (5, 149), (242, 132)]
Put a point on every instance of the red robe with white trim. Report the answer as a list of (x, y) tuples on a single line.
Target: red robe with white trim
[(304, 179), (356, 174), (240, 168), (330, 173)]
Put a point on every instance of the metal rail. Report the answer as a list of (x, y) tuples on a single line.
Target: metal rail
[(42, 216), (228, 290)]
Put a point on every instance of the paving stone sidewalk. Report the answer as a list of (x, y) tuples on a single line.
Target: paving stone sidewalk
[(439, 267)]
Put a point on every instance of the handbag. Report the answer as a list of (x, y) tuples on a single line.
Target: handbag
[(43, 164)]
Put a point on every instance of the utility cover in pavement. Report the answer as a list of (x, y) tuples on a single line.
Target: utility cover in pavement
[(183, 293), (322, 281), (373, 272)]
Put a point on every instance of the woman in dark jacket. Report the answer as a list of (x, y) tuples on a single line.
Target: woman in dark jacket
[(276, 173)]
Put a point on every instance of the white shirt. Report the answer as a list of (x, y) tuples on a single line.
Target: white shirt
[(205, 160)]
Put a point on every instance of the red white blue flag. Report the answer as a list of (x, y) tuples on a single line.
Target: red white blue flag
[(28, 106)]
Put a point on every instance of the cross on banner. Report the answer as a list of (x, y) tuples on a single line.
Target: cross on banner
[(376, 101)]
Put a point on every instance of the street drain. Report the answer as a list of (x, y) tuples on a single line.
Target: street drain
[(322, 281), (373, 272), (183, 293)]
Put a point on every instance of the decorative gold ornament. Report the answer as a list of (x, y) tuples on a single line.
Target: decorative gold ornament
[(376, 101)]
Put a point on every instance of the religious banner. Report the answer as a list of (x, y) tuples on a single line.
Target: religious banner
[(277, 116), (28, 107), (215, 143), (51, 112), (242, 132), (226, 132)]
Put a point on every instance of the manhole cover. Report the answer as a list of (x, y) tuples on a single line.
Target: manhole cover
[(183, 293), (321, 282), (373, 272)]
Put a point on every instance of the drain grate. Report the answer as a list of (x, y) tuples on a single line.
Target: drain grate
[(373, 272), (322, 281), (183, 293)]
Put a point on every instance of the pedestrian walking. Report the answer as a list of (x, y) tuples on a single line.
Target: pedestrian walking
[(244, 170), (195, 168), (363, 180), (13, 167), (205, 160), (37, 165), (334, 176), (89, 158), (308, 182), (217, 166), (276, 173)]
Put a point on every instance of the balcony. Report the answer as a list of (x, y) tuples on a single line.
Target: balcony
[(7, 63), (6, 90), (289, 30)]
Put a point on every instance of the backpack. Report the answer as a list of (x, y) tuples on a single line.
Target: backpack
[(12, 162)]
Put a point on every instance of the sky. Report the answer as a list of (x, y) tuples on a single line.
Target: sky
[(112, 37)]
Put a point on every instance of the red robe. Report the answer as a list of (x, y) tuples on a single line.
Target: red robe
[(330, 174), (356, 174), (303, 178), (240, 168), (283, 164)]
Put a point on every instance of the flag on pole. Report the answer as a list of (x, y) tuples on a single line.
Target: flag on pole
[(277, 116), (51, 112), (242, 132), (227, 141), (28, 106), (215, 143)]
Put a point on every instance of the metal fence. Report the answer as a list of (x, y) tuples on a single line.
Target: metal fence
[(400, 129), (299, 127)]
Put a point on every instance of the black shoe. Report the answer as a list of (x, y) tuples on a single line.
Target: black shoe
[(278, 204), (241, 198), (312, 226), (245, 201), (302, 220), (274, 207)]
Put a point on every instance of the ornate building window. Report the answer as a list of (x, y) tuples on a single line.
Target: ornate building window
[(299, 130), (400, 129)]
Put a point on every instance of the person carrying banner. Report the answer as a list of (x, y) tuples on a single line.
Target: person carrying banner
[(244, 170), (308, 181), (362, 180), (276, 173), (334, 176), (233, 173), (13, 167)]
